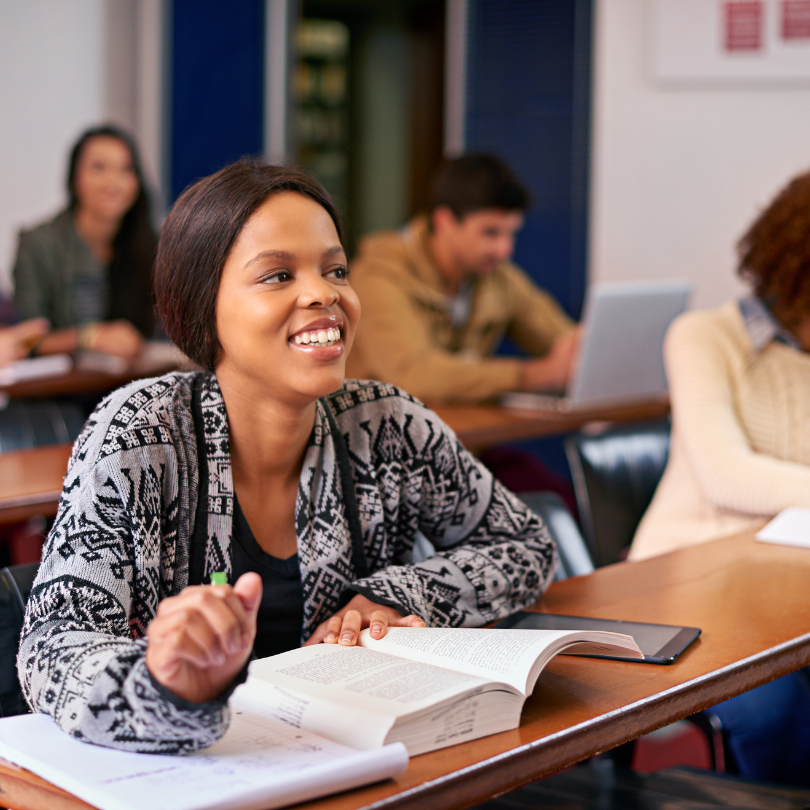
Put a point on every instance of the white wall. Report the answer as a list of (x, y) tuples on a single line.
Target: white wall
[(678, 174), (65, 66), (51, 62)]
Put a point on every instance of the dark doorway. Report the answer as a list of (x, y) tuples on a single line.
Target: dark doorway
[(368, 105)]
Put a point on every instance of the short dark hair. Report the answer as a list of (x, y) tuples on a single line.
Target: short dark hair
[(197, 238), (475, 182), (774, 254)]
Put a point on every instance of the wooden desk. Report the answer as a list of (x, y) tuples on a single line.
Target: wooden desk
[(157, 358), (31, 481), (72, 383), (751, 601), (481, 426)]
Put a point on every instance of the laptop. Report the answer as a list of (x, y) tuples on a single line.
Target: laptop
[(621, 354)]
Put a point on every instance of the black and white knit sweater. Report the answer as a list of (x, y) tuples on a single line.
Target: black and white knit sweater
[(124, 538)]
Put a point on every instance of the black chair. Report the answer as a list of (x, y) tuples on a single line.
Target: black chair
[(615, 475), (33, 423), (572, 553), (15, 588)]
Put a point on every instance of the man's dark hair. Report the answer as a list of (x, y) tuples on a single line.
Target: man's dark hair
[(197, 237), (475, 182)]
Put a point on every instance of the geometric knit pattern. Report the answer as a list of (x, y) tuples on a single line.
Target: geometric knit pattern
[(122, 541)]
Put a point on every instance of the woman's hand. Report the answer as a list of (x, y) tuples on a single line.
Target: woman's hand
[(17, 341), (345, 626), (119, 338), (200, 639)]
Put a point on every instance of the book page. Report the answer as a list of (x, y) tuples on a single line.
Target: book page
[(259, 763), (351, 693), (506, 655)]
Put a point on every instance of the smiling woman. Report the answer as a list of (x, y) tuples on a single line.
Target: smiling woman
[(308, 491), (88, 270)]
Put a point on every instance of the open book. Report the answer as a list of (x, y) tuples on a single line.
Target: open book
[(260, 763), (425, 687)]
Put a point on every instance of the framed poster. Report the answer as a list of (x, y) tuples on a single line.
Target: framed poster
[(743, 42)]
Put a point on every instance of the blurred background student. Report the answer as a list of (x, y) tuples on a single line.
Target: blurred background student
[(440, 294), (88, 270), (739, 381)]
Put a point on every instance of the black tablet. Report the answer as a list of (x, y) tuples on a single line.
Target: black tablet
[(660, 643)]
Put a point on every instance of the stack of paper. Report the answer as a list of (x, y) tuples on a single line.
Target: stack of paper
[(260, 763)]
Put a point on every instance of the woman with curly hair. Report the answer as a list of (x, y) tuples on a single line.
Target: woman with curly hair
[(739, 379)]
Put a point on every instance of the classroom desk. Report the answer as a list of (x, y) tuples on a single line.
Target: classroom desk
[(31, 481), (157, 359), (750, 599), (481, 426)]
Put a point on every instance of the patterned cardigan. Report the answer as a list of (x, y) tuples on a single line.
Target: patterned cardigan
[(147, 509)]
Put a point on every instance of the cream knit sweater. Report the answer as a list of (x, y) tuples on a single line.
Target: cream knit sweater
[(741, 433)]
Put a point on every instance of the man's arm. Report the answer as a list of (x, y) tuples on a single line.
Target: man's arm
[(543, 330)]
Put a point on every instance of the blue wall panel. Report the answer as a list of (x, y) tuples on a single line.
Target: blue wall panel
[(528, 100), (217, 86)]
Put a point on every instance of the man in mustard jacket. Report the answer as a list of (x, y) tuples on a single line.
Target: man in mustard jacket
[(439, 295)]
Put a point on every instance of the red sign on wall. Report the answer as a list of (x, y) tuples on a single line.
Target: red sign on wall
[(795, 19), (743, 22)]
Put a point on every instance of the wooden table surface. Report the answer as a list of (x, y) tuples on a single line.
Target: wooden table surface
[(157, 359), (31, 481), (481, 426), (750, 599)]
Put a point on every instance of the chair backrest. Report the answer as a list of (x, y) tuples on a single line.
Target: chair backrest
[(32, 423), (572, 553), (615, 475), (15, 588)]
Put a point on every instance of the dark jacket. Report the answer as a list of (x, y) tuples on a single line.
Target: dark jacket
[(51, 255)]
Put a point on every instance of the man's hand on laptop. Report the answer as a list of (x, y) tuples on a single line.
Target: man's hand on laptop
[(552, 371)]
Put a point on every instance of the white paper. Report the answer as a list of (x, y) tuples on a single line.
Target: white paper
[(791, 527), (35, 368), (514, 657), (362, 680), (260, 763), (501, 655)]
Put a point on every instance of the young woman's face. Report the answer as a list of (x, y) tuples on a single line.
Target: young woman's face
[(286, 315), (105, 182)]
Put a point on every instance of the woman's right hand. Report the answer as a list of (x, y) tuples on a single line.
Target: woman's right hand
[(119, 338), (200, 639)]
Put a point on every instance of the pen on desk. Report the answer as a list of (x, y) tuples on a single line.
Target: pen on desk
[(219, 578)]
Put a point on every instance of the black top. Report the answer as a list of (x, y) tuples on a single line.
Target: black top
[(281, 613)]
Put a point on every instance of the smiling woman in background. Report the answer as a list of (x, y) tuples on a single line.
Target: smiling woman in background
[(308, 492), (88, 270)]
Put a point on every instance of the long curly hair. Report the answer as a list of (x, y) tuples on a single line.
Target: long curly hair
[(774, 255)]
